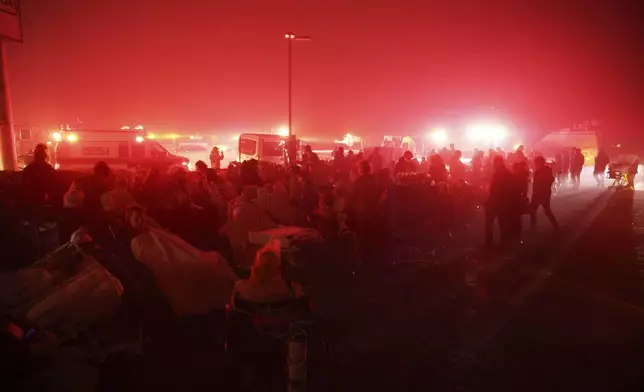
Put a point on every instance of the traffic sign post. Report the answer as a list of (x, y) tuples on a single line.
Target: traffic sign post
[(10, 29)]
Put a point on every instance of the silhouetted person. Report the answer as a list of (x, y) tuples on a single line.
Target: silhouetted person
[(39, 179), (498, 205), (376, 160), (576, 166), (437, 170), (216, 156), (339, 162), (249, 174), (407, 163), (633, 169), (83, 204), (566, 162), (309, 157), (363, 214), (601, 161), (542, 192), (457, 168)]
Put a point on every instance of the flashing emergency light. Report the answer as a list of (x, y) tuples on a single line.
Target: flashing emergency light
[(487, 133), (57, 136), (125, 128), (72, 138), (438, 136), (283, 131), (139, 139), (139, 127)]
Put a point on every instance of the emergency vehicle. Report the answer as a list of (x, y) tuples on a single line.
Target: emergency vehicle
[(124, 149), (555, 142), (262, 147)]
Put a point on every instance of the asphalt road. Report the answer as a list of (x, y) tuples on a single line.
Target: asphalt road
[(561, 311)]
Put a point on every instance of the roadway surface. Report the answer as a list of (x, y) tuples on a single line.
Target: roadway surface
[(559, 312)]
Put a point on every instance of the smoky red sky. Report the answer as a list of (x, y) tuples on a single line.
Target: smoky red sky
[(372, 66)]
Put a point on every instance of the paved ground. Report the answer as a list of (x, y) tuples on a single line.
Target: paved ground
[(538, 318)]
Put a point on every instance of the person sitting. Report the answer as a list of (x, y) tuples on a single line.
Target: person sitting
[(266, 283), (244, 216), (118, 199)]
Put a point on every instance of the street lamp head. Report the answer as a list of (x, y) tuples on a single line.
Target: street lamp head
[(297, 37)]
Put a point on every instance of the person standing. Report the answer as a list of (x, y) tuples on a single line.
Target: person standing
[(601, 161), (39, 179), (566, 160), (363, 213), (457, 169), (633, 169), (497, 206), (216, 156), (376, 160), (576, 166), (542, 192), (309, 158)]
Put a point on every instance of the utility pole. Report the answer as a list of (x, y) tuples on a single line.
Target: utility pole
[(10, 29), (291, 147), (7, 137)]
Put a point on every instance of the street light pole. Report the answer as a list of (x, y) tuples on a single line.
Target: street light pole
[(290, 88), (291, 149)]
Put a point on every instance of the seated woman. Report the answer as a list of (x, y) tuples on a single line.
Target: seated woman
[(264, 307), (266, 284)]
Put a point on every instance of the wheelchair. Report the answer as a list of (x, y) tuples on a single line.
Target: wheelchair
[(620, 179), (273, 343)]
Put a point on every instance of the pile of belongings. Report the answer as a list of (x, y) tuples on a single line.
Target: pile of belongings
[(65, 292), (195, 282)]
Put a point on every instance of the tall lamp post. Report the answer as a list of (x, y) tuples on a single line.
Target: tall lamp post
[(291, 149)]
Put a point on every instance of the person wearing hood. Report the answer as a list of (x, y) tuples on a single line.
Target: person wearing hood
[(407, 163)]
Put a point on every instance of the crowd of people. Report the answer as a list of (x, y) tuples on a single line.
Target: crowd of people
[(170, 220), (350, 193)]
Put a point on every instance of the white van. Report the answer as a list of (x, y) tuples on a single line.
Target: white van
[(264, 148), (80, 150)]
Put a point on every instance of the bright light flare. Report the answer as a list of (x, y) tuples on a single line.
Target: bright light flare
[(72, 138), (438, 136), (283, 131), (57, 136), (139, 127), (487, 133), (125, 128), (139, 139), (348, 139)]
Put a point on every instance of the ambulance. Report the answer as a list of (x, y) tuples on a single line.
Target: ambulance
[(77, 150), (262, 147)]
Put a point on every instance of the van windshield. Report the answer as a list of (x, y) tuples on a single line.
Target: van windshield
[(157, 150)]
